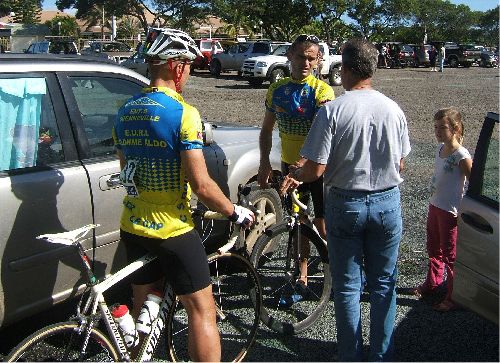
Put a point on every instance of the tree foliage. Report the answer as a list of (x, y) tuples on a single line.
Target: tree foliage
[(411, 21), (26, 11), (63, 25)]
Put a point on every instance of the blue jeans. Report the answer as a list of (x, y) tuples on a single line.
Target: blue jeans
[(364, 229)]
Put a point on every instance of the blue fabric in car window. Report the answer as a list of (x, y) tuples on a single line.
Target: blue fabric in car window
[(20, 110)]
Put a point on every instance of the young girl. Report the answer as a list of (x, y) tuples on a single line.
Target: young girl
[(453, 166)]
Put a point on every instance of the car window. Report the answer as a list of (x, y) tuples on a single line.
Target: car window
[(31, 49), (233, 49), (281, 50), (243, 47), (98, 100), (261, 48), (43, 47), (490, 188), (28, 131)]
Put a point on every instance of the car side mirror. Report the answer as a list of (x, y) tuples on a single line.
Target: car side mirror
[(208, 134)]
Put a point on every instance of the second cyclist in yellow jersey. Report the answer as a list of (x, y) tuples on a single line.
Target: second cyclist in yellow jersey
[(292, 103)]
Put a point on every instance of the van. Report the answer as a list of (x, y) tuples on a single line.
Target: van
[(53, 46)]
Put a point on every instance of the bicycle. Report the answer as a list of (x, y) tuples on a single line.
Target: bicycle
[(236, 290), (290, 306)]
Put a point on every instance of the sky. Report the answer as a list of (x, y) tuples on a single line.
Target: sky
[(478, 5)]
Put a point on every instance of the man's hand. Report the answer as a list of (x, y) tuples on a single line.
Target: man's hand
[(242, 216), (265, 170), (289, 183)]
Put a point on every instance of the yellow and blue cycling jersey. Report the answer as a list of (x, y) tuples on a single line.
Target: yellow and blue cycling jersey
[(151, 130), (295, 103)]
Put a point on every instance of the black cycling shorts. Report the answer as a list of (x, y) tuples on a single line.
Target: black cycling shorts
[(314, 189), (181, 259)]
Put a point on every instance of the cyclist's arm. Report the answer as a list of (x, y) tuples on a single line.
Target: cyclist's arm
[(195, 168), (265, 145)]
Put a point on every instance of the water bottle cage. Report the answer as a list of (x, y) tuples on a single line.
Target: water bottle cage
[(150, 320)]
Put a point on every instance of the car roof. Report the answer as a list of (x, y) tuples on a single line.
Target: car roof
[(70, 58), (21, 62)]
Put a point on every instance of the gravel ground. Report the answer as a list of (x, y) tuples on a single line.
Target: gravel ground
[(421, 334)]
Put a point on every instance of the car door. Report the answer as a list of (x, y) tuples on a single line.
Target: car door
[(239, 58), (44, 189), (476, 267), (228, 58), (95, 99)]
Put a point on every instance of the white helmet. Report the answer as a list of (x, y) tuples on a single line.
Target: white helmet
[(164, 43)]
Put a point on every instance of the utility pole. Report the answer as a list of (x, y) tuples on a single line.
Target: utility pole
[(102, 24)]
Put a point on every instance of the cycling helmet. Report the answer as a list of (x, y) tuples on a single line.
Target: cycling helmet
[(165, 44)]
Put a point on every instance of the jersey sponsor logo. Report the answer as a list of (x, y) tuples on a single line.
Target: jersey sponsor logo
[(144, 101)]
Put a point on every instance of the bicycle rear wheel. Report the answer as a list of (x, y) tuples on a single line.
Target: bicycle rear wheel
[(288, 307), (238, 298), (64, 342)]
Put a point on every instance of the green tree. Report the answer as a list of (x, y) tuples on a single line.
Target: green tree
[(63, 25), (329, 14), (5, 7), (487, 29), (128, 28), (366, 17), (26, 11)]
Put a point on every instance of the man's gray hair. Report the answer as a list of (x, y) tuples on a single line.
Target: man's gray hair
[(360, 57)]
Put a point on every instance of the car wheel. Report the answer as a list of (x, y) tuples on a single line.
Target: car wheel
[(215, 68), (268, 202), (277, 75), (453, 62), (335, 79), (255, 81)]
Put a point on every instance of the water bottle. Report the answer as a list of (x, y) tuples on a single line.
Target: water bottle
[(149, 312), (126, 323)]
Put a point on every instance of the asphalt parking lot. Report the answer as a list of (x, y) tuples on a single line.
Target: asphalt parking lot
[(421, 334)]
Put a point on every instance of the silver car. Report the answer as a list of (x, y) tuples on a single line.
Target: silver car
[(137, 63), (476, 267), (58, 171)]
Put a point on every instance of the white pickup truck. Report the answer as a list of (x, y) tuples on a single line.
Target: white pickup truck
[(275, 66)]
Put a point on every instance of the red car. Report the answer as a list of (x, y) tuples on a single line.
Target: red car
[(207, 47)]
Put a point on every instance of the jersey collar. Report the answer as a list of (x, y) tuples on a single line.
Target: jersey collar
[(167, 90), (303, 80)]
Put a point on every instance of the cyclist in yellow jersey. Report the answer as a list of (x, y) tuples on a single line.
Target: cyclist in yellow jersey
[(159, 141), (292, 103)]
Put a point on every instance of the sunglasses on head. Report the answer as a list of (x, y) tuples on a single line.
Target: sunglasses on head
[(307, 38)]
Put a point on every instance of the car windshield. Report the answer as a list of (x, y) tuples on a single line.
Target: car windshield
[(281, 50), (406, 48), (115, 47), (261, 48)]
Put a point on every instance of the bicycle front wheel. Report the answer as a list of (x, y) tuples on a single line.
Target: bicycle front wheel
[(288, 306), (237, 295), (64, 342)]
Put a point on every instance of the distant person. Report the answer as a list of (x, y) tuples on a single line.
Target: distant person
[(432, 58), (442, 55), (452, 168), (383, 52), (2, 48), (358, 141)]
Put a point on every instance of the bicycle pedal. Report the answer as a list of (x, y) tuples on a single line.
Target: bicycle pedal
[(290, 300)]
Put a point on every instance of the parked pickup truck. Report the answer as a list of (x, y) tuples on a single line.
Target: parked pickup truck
[(462, 54), (232, 58), (275, 66)]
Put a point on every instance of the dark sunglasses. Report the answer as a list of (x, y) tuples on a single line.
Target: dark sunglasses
[(307, 38)]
